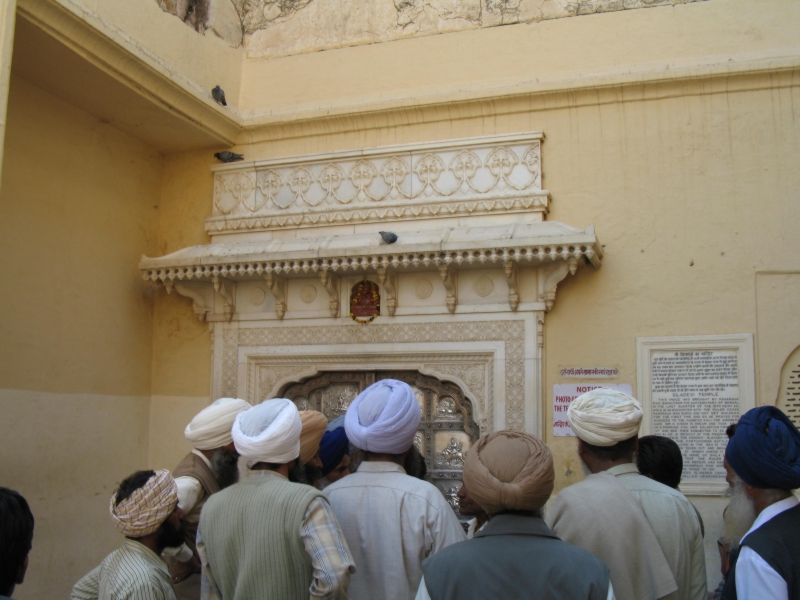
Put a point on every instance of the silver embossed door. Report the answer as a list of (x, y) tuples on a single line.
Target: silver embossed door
[(446, 432)]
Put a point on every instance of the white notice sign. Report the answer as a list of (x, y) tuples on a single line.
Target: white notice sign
[(565, 393), (695, 395)]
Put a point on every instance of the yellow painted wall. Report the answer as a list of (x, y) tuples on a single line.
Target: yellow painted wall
[(692, 186), (201, 60), (556, 54), (78, 204)]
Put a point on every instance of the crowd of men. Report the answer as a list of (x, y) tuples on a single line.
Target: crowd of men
[(342, 510)]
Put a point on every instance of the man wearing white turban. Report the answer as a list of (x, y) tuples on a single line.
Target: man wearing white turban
[(211, 466), (267, 537), (145, 510), (646, 532), (391, 521)]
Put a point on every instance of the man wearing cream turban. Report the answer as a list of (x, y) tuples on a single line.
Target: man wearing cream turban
[(391, 521), (210, 466), (646, 532), (268, 537), (145, 510), (309, 467), (763, 464), (510, 475)]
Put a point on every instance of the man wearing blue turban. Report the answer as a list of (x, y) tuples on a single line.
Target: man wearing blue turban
[(763, 461), (333, 452)]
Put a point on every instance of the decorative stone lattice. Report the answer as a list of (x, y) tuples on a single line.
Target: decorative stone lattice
[(466, 178)]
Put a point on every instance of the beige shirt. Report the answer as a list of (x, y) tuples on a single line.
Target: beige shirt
[(392, 522), (670, 515)]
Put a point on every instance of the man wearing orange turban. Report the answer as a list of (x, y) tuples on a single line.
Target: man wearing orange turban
[(510, 474), (309, 467)]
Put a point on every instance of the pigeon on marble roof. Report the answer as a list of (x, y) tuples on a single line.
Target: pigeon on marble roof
[(388, 237), (219, 95), (228, 156)]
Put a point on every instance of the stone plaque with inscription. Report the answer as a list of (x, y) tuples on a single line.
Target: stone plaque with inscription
[(692, 389), (695, 395)]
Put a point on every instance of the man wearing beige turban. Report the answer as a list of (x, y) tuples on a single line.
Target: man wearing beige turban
[(646, 532), (211, 466), (145, 510), (515, 555), (309, 467)]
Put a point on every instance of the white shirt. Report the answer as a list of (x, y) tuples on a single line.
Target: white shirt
[(472, 528), (755, 579), (392, 522), (189, 490)]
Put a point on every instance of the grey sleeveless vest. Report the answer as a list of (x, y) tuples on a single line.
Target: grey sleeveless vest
[(515, 557)]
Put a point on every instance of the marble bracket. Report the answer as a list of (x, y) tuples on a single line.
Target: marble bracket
[(556, 275), (278, 286), (332, 285), (450, 279), (226, 290), (193, 291), (510, 269), (388, 280)]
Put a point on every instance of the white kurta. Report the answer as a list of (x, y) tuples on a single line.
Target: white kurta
[(670, 515), (392, 522), (755, 579)]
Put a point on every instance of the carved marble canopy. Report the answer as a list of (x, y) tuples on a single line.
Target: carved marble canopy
[(445, 250)]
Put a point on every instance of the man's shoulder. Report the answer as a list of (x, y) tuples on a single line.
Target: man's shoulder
[(581, 490), (396, 482), (645, 487)]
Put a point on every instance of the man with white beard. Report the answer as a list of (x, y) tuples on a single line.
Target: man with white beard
[(212, 465), (763, 464), (646, 532)]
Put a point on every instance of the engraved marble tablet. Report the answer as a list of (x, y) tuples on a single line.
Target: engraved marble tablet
[(691, 389)]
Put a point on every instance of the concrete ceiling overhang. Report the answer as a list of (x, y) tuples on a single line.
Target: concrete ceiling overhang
[(65, 55)]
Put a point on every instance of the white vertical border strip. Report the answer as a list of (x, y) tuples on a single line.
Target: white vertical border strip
[(742, 343)]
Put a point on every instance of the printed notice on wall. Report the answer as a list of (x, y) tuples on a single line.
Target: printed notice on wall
[(695, 395), (565, 393)]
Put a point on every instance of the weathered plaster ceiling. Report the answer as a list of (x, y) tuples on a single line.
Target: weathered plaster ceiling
[(271, 28)]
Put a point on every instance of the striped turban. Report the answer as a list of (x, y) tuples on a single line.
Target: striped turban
[(314, 424), (509, 470), (211, 427), (144, 511), (605, 417)]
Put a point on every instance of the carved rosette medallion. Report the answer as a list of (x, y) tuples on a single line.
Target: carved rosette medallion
[(483, 286), (423, 288), (308, 294)]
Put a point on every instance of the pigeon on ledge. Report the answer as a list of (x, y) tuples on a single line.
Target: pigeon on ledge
[(388, 237), (219, 95), (227, 156)]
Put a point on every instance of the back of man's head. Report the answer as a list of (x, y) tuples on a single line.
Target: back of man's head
[(130, 484), (16, 538), (660, 458), (616, 452)]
